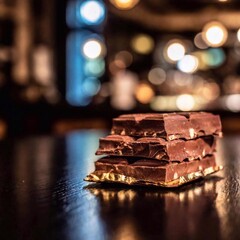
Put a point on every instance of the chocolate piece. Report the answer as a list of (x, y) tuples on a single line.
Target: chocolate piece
[(168, 125), (150, 172), (157, 148)]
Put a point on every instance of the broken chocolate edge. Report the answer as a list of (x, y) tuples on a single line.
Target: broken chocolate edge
[(118, 178)]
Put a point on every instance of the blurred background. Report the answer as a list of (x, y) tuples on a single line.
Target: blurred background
[(77, 63)]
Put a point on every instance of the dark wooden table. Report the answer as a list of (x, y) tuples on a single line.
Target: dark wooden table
[(43, 196)]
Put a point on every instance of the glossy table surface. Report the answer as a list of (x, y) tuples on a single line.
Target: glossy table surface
[(43, 196)]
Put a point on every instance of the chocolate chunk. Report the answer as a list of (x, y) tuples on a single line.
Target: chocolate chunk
[(150, 172), (168, 125), (157, 148)]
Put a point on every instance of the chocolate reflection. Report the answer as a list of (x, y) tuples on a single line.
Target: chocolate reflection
[(149, 213)]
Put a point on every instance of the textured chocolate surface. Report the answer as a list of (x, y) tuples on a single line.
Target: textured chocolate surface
[(168, 125), (150, 170), (157, 148)]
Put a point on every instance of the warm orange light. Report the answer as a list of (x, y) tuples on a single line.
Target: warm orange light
[(124, 4), (210, 91), (142, 43), (144, 93)]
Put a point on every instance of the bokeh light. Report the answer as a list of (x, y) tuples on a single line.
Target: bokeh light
[(123, 59), (215, 34), (83, 67), (201, 56), (210, 91), (88, 13), (199, 42), (123, 87), (142, 43), (181, 79), (185, 102), (238, 34), (211, 58), (214, 57), (124, 4), (163, 103), (144, 93), (91, 86), (188, 64), (231, 84), (174, 51), (95, 67), (157, 76), (92, 12), (233, 102), (93, 48)]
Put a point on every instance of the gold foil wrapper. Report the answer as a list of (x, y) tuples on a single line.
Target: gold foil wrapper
[(110, 177)]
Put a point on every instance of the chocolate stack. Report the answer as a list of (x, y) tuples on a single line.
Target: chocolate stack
[(158, 149)]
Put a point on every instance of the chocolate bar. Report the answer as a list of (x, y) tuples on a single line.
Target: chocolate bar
[(171, 126), (134, 171), (166, 150), (157, 148)]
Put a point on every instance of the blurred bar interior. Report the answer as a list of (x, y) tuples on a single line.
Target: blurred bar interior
[(77, 63)]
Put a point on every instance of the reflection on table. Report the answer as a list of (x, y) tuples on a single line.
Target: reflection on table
[(43, 196)]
